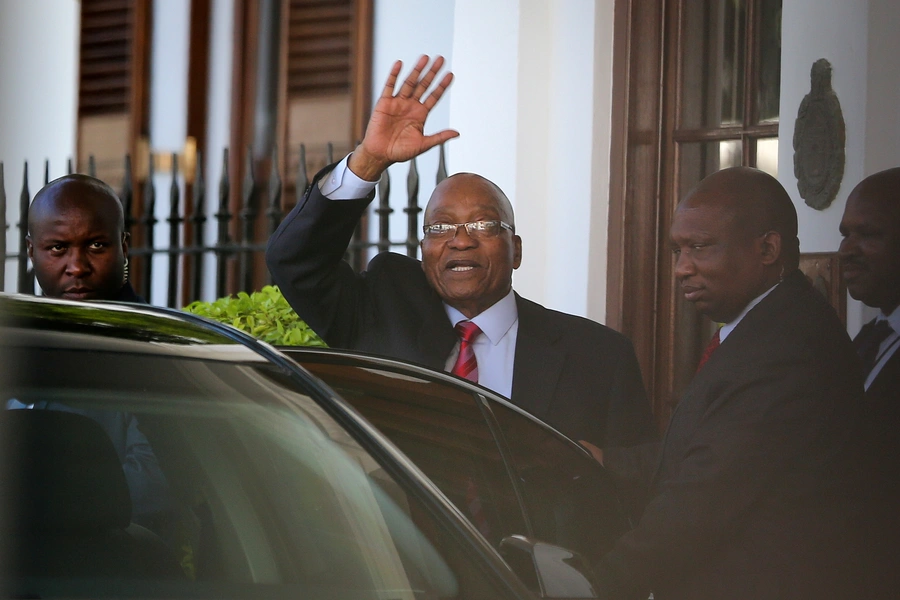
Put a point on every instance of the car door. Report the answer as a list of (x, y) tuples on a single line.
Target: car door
[(507, 471)]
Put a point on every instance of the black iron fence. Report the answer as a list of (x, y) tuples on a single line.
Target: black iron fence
[(243, 226)]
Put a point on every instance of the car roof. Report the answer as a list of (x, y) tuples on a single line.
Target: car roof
[(377, 361)]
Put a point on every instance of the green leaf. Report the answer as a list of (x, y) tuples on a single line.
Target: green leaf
[(265, 315)]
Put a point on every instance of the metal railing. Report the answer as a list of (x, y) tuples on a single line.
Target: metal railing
[(243, 227)]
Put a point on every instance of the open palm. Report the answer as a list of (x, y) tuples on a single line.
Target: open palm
[(396, 130)]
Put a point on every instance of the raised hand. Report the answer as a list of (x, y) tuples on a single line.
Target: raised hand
[(395, 132)]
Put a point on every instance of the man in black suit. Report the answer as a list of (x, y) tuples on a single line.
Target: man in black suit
[(870, 264), (753, 488), (78, 245), (578, 375)]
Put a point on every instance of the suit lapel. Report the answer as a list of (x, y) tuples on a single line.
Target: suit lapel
[(436, 336), (538, 360)]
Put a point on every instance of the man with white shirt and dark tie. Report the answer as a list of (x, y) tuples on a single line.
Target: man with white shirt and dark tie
[(456, 309), (870, 264)]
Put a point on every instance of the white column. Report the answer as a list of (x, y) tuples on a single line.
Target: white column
[(524, 104), (38, 97)]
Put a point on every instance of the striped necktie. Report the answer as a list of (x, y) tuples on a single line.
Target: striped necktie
[(466, 365), (710, 348)]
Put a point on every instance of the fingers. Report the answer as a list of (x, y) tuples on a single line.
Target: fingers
[(416, 84), (409, 86), (388, 90), (437, 92), (425, 82)]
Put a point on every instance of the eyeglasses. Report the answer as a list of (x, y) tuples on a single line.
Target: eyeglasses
[(478, 229)]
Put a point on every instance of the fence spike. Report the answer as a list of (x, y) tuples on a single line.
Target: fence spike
[(248, 219), (69, 170), (223, 217), (46, 171), (412, 210), (174, 238), (92, 166), (442, 165), (302, 177), (148, 221), (274, 211), (25, 278), (198, 219), (3, 227), (127, 197), (384, 211), (330, 153)]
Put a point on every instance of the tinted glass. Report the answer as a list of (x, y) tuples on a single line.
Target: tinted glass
[(570, 498), (443, 431), (699, 159), (713, 62), (769, 88), (144, 475)]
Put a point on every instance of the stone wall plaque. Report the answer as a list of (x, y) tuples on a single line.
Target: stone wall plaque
[(819, 137)]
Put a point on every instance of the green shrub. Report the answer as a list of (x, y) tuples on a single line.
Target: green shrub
[(264, 314)]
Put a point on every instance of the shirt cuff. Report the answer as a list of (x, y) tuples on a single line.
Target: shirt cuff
[(343, 184)]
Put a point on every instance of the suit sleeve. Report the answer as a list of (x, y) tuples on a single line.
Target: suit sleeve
[(630, 419), (305, 258), (766, 431)]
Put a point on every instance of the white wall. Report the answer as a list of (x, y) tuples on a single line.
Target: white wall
[(524, 102), (168, 118), (859, 39), (404, 30), (38, 97)]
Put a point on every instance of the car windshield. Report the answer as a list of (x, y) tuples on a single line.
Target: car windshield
[(222, 480)]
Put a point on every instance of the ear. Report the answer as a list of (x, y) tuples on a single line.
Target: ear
[(125, 237), (770, 247), (517, 251), (30, 246)]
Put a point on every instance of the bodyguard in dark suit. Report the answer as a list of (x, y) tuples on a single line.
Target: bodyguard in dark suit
[(577, 375), (753, 491), (79, 248), (870, 264)]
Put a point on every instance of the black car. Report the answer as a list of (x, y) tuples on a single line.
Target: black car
[(150, 453), (508, 472)]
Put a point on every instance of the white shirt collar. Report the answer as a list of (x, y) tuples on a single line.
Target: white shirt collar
[(893, 319), (727, 328), (494, 322)]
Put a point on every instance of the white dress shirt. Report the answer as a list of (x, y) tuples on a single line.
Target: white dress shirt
[(888, 347), (495, 348), (727, 328), (343, 184)]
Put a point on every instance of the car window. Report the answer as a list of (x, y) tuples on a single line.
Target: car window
[(571, 500), (148, 476), (444, 432)]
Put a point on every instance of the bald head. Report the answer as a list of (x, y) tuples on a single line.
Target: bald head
[(469, 184), (758, 203), (734, 237), (80, 192), (870, 249), (76, 239)]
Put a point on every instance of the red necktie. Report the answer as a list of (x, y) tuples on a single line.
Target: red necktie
[(710, 348), (466, 366)]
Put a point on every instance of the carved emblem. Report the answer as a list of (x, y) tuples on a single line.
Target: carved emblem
[(819, 137)]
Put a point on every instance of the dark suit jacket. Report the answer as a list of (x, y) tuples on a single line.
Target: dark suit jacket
[(754, 493), (576, 374), (882, 442)]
